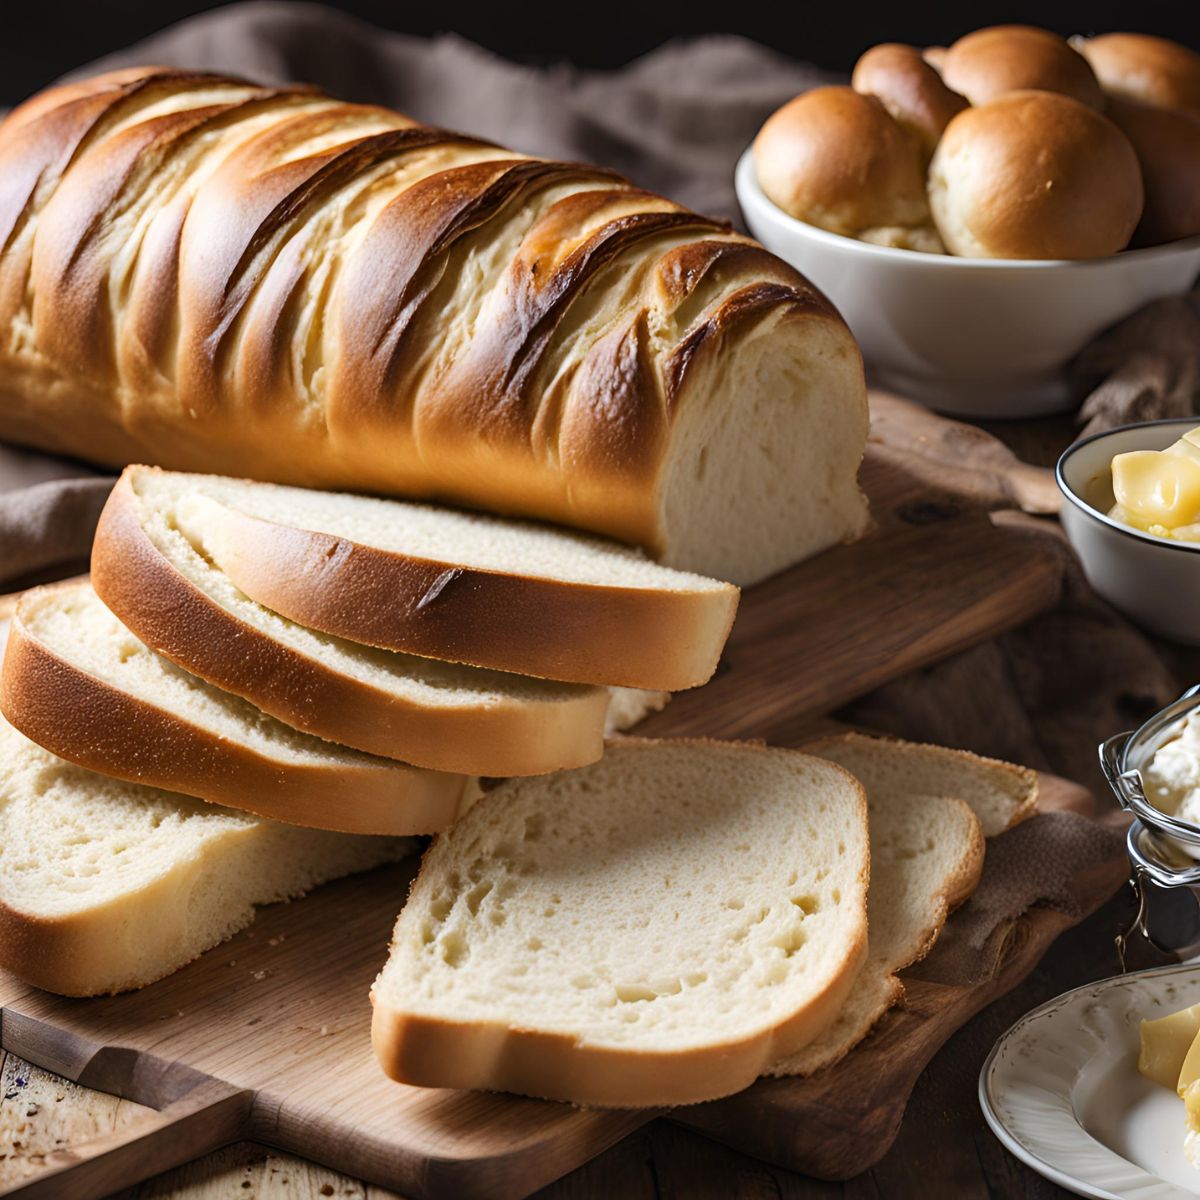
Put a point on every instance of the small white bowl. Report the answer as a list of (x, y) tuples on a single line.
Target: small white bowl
[(1154, 580), (971, 337)]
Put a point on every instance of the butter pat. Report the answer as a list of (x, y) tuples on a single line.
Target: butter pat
[(1158, 491), (1166, 1045), (1188, 1086)]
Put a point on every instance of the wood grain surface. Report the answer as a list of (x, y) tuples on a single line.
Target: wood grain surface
[(268, 1038), (931, 579)]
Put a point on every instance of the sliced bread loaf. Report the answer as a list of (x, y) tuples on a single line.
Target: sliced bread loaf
[(655, 929), (432, 714), (1000, 794), (77, 682), (106, 886), (460, 587), (926, 859)]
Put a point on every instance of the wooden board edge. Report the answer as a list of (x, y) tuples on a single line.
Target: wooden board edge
[(750, 1121)]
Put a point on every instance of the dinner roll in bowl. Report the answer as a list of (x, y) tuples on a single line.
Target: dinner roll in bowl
[(1167, 144), (836, 159), (1034, 175), (1140, 67), (989, 63), (910, 89)]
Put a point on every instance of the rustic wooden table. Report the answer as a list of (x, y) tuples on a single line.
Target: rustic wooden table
[(944, 1147)]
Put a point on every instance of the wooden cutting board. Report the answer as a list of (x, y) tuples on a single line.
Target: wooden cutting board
[(930, 580), (267, 1039)]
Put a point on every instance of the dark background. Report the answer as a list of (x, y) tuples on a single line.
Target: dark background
[(39, 41)]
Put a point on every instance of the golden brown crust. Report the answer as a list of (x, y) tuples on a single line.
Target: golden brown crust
[(1167, 144), (95, 725), (992, 62), (175, 618), (1035, 175), (301, 303), (1145, 69), (429, 1052), (909, 88), (838, 160), (527, 624)]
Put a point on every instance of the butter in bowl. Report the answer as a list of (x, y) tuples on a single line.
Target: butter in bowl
[(1132, 514)]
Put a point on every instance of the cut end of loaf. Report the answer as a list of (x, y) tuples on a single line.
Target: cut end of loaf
[(770, 432)]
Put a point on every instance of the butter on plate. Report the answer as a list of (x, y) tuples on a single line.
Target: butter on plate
[(1158, 491), (1170, 1055)]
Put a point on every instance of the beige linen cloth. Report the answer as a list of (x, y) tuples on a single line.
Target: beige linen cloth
[(675, 121)]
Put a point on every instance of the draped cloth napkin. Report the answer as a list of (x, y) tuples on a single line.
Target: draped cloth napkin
[(675, 121)]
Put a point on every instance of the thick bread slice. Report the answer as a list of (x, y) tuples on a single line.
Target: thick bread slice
[(999, 793), (655, 929), (77, 682), (106, 886), (443, 584), (926, 859), (432, 714)]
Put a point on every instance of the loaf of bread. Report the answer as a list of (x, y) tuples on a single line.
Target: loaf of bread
[(211, 275)]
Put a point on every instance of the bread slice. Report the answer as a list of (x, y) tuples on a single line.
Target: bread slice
[(655, 929), (508, 595), (432, 714), (107, 886), (926, 859), (77, 682), (1000, 794)]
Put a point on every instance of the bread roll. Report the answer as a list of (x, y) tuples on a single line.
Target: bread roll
[(1034, 175), (1137, 66), (1167, 143), (209, 275), (837, 159), (910, 89), (990, 62), (935, 56)]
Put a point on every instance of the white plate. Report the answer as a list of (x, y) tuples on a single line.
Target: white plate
[(1061, 1090)]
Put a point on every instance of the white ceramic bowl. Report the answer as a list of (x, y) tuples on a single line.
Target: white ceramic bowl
[(1154, 580), (971, 337)]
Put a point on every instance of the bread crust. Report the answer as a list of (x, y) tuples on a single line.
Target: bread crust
[(174, 617), (836, 158), (531, 625), (910, 88), (484, 1056), (248, 342), (428, 1051), (1035, 175), (1146, 69), (98, 726), (991, 62)]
